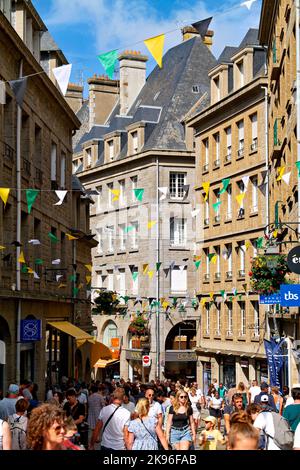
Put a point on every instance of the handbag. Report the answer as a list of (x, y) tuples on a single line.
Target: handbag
[(198, 406)]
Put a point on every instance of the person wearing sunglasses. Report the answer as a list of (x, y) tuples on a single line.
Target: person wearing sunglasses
[(46, 428), (180, 431)]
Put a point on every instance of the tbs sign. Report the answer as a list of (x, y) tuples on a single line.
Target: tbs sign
[(290, 295), (293, 260)]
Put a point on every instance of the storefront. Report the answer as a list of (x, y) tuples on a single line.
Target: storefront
[(181, 365), (261, 371), (206, 380), (227, 371), (135, 368)]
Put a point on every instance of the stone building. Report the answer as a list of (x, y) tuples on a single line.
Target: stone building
[(231, 154), (46, 291), (136, 140), (279, 33)]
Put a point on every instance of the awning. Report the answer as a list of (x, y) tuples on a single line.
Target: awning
[(81, 336), (101, 364), (100, 352)]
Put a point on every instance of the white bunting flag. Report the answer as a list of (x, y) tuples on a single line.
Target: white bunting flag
[(35, 275), (248, 4), (2, 93), (61, 196), (225, 254), (286, 177), (164, 191), (195, 212), (58, 277), (56, 261), (62, 75), (182, 267), (245, 180), (34, 241)]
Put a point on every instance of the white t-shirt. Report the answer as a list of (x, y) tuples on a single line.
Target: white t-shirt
[(194, 400), (155, 410), (215, 403), (264, 421), (199, 393), (82, 398), (113, 436), (254, 391), (289, 401), (297, 438), (129, 406)]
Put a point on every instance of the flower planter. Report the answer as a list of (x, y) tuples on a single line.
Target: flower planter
[(267, 273)]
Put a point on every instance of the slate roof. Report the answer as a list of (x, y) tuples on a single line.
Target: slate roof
[(48, 43), (250, 39), (225, 56)]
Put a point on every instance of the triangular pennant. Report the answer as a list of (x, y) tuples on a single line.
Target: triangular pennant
[(260, 242), (281, 170), (30, 271), (75, 291), (116, 193), (202, 26), (16, 243), (216, 206), (21, 258), (145, 268), (4, 193), (56, 261), (34, 241), (108, 60), (225, 183), (62, 75), (89, 267), (245, 180), (211, 295), (263, 175), (182, 267), (139, 193), (31, 195), (155, 46), (71, 237), (150, 274), (58, 277), (240, 198), (151, 223), (166, 271), (128, 228), (206, 186), (222, 292), (2, 247), (244, 286), (35, 275), (225, 253), (73, 277), (248, 4), (24, 269), (19, 88), (172, 265), (135, 275), (165, 305), (164, 191), (263, 188), (286, 177), (2, 92), (195, 212), (157, 266), (211, 256), (197, 264), (38, 261), (61, 196), (298, 168), (234, 290), (52, 237), (185, 188), (88, 279)]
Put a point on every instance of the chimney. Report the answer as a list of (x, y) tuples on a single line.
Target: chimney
[(103, 95), (132, 78), (189, 32), (74, 96), (208, 38)]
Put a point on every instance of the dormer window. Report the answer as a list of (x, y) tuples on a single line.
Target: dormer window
[(240, 74), (111, 152), (134, 137), (195, 89), (217, 88), (89, 157)]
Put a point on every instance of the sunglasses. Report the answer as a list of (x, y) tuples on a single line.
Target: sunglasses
[(182, 396)]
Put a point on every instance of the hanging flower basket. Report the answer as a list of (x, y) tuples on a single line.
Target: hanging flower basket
[(139, 327), (268, 272)]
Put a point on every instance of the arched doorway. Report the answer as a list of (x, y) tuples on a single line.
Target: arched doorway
[(180, 357), (78, 365), (111, 339), (5, 342)]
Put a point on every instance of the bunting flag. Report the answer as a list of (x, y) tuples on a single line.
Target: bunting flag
[(139, 194), (52, 237), (182, 267), (260, 242), (21, 258), (206, 186), (4, 193), (116, 193), (245, 180), (164, 191), (195, 212), (225, 183), (31, 195), (240, 198), (212, 256), (62, 76), (89, 267), (245, 287), (24, 269), (157, 266), (135, 275), (197, 264), (150, 274), (286, 178), (247, 244), (203, 301), (34, 241), (211, 295), (71, 237), (165, 305), (202, 26), (298, 168), (108, 60), (151, 223), (248, 4), (38, 261), (263, 188), (16, 243), (155, 46), (2, 92), (30, 271), (185, 188), (58, 277), (145, 268), (88, 279), (172, 265), (225, 253), (56, 261), (2, 247), (264, 174), (214, 259), (73, 277), (166, 271), (216, 206), (281, 170), (129, 228), (19, 88), (222, 292), (274, 234), (61, 196), (234, 291), (75, 291), (35, 275)]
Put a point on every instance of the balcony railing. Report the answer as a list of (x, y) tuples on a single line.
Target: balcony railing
[(227, 158), (241, 273), (205, 168), (229, 333), (254, 145), (228, 274), (206, 221)]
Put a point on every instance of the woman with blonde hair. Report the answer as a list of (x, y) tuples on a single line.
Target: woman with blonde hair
[(242, 435), (180, 431), (144, 430), (46, 428), (241, 388)]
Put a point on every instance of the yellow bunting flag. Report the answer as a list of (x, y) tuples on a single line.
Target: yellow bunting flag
[(71, 237), (116, 193), (203, 301), (4, 193), (152, 223), (281, 171), (155, 46), (165, 305), (214, 259), (275, 233), (247, 244), (145, 268), (21, 258), (206, 186), (211, 295), (240, 198), (88, 267), (2, 247), (61, 286), (88, 279), (150, 274), (30, 271)]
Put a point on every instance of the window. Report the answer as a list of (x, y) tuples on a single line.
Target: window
[(217, 200), (218, 322), (242, 250), (243, 318), (195, 89), (229, 202), (134, 235), (99, 283), (134, 137), (178, 279), (122, 192), (217, 143), (111, 331), (207, 319), (177, 181), (122, 282), (37, 145), (110, 186), (206, 254), (206, 220), (240, 126), (254, 244), (98, 198), (100, 240), (53, 162), (111, 152), (254, 132), (229, 318), (228, 143), (254, 195), (240, 74), (110, 280), (256, 318), (122, 237), (177, 231), (218, 268), (241, 188), (63, 170), (88, 157), (134, 180), (110, 239), (135, 281), (206, 154), (229, 256)]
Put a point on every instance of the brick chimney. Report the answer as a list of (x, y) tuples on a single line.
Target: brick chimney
[(189, 32), (103, 95), (74, 96), (132, 78)]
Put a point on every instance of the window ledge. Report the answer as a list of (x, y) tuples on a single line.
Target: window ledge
[(253, 214), (178, 248), (134, 250), (252, 152), (121, 252)]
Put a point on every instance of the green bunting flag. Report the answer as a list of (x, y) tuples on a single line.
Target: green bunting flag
[(128, 229), (38, 261), (298, 167), (73, 277), (75, 291), (24, 269), (211, 256), (52, 237), (31, 195), (216, 206), (230, 298), (108, 61), (139, 194), (135, 275), (158, 265), (222, 292), (225, 183), (260, 242), (197, 264), (240, 297)]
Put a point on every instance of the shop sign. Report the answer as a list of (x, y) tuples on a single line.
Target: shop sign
[(293, 260), (244, 363), (290, 295), (174, 356), (30, 330), (270, 299), (133, 355)]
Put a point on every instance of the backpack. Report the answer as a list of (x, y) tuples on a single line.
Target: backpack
[(284, 436), (18, 428)]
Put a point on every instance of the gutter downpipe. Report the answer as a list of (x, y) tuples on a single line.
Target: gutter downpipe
[(157, 275), (298, 143)]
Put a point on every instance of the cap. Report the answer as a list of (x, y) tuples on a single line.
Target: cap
[(296, 386), (264, 399), (13, 389), (264, 385), (210, 419)]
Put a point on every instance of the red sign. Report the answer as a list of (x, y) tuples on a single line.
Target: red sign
[(146, 361)]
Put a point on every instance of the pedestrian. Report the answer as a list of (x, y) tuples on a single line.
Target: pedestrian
[(155, 407), (5, 436), (292, 412), (18, 423), (264, 422), (144, 431), (210, 437), (216, 405), (242, 435), (95, 404), (46, 428), (235, 407), (113, 421), (222, 391), (196, 406), (296, 445), (8, 404), (264, 390), (241, 388), (253, 391), (278, 400), (77, 411), (180, 431)]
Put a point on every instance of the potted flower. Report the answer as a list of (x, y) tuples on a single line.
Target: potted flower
[(107, 303), (138, 326), (267, 273)]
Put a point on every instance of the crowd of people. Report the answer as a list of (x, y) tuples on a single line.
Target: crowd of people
[(162, 415)]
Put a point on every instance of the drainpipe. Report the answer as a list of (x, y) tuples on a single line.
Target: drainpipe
[(157, 275), (18, 234), (298, 97)]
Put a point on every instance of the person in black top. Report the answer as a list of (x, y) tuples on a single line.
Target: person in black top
[(180, 430), (77, 411)]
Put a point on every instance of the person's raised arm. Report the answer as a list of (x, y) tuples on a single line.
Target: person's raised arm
[(6, 436)]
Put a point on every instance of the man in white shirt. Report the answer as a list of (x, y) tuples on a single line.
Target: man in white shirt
[(253, 391), (264, 422), (8, 404), (115, 432)]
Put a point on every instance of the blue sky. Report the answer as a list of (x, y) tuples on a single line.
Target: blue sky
[(85, 28)]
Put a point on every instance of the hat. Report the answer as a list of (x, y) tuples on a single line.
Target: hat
[(13, 389), (210, 419), (264, 385), (296, 386), (264, 399)]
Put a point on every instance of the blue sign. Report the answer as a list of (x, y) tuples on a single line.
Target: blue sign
[(275, 361), (270, 299), (290, 295), (30, 330)]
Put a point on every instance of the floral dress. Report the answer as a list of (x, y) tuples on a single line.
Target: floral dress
[(144, 440)]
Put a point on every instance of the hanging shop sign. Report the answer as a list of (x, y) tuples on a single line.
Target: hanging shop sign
[(270, 299), (30, 330), (293, 260), (290, 295)]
